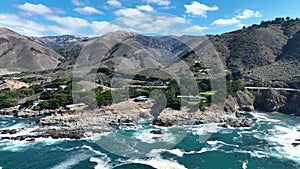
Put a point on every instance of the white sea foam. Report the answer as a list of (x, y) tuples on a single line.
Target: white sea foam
[(101, 163), (147, 137), (19, 146), (97, 136), (245, 163), (209, 149), (215, 143), (253, 153), (3, 122), (64, 149), (282, 140), (93, 150), (0, 167), (157, 152), (177, 152), (71, 161), (205, 129), (16, 146), (263, 117), (214, 147), (130, 128), (16, 126), (159, 163), (20, 132)]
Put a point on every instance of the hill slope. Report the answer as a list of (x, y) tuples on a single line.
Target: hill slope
[(258, 52), (20, 52)]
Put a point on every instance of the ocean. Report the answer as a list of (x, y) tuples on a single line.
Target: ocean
[(266, 145)]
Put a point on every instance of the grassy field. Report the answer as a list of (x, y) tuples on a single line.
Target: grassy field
[(208, 93)]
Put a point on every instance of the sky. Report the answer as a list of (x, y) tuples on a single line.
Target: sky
[(158, 17)]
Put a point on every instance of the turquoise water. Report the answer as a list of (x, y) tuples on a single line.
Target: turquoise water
[(267, 145)]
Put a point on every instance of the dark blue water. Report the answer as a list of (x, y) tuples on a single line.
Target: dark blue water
[(267, 145)]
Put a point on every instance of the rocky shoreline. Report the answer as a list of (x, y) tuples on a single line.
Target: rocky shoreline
[(85, 124)]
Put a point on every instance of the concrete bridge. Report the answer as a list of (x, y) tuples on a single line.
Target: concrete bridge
[(271, 88)]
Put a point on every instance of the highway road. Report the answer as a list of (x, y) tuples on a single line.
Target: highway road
[(268, 88)]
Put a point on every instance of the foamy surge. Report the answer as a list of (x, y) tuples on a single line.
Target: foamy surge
[(263, 117), (157, 152), (71, 161), (97, 136), (245, 163), (102, 162), (159, 163), (283, 138), (146, 137), (18, 146)]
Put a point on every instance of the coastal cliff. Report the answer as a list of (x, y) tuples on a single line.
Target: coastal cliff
[(281, 101)]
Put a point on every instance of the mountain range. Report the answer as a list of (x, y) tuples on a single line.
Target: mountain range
[(267, 53)]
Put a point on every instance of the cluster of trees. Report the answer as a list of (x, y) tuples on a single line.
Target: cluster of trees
[(71, 52), (149, 79), (204, 85), (275, 21), (234, 83), (55, 99), (171, 94), (8, 98), (104, 70), (197, 67), (115, 96)]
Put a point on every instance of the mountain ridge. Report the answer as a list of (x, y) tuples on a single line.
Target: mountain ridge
[(20, 52), (264, 46)]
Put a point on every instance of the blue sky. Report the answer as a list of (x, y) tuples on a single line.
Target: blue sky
[(96, 17)]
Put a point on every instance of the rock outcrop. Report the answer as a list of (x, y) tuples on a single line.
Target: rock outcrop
[(244, 101), (292, 105), (239, 102), (238, 122), (269, 100), (287, 102), (231, 105)]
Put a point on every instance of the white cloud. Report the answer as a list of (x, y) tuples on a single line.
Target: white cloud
[(198, 9), (103, 27), (195, 29), (131, 17), (70, 22), (247, 13), (67, 25), (64, 25), (160, 2), (129, 12), (237, 20), (78, 3), (88, 10), (35, 9), (146, 8), (135, 20), (30, 28), (226, 22), (114, 3)]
